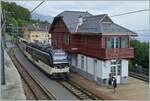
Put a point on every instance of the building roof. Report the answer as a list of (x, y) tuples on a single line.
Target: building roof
[(94, 24), (71, 18), (38, 27)]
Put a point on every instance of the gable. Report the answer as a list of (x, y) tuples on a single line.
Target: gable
[(106, 20), (58, 25)]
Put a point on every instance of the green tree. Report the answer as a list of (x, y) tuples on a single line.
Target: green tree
[(141, 53), (16, 11), (17, 17)]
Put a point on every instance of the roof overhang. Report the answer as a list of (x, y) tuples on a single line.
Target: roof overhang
[(122, 34), (85, 33)]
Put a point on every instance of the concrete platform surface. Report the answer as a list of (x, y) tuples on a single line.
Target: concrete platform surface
[(134, 90), (13, 89)]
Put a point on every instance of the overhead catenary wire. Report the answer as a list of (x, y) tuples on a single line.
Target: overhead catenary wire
[(130, 12), (37, 6), (127, 13)]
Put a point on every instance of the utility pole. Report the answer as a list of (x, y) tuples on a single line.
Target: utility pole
[(3, 44), (2, 47)]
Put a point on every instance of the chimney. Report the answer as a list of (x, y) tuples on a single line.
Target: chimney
[(80, 21)]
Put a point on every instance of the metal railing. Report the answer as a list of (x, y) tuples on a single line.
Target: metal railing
[(141, 70)]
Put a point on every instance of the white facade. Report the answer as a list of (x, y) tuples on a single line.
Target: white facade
[(99, 70)]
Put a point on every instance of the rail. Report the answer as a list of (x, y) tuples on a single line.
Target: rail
[(42, 92), (139, 76), (78, 91)]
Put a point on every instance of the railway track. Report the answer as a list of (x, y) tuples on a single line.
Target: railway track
[(139, 76), (72, 87), (39, 91), (78, 91)]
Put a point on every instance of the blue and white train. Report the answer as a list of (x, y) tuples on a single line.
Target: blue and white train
[(52, 61)]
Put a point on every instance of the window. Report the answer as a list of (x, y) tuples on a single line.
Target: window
[(116, 67), (36, 41), (36, 35), (119, 70), (123, 43), (117, 42), (113, 42), (113, 70), (113, 63), (82, 62), (66, 39), (109, 42)]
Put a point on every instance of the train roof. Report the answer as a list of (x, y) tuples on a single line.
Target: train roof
[(47, 49), (44, 48)]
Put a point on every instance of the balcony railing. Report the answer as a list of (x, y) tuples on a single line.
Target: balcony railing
[(118, 53), (103, 53)]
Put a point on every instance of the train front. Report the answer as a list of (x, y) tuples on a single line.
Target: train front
[(61, 63)]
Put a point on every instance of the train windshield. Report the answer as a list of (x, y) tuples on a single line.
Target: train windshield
[(60, 57)]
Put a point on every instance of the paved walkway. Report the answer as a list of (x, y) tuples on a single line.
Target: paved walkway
[(134, 90), (13, 89)]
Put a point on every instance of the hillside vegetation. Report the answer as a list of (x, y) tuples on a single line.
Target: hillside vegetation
[(16, 16)]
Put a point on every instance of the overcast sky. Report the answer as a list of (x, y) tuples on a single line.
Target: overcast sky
[(137, 21)]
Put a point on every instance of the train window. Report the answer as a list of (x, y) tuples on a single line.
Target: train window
[(37, 55), (45, 59)]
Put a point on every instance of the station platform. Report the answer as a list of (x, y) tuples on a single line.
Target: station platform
[(134, 90), (13, 88)]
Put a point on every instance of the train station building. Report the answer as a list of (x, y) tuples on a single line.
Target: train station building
[(96, 45)]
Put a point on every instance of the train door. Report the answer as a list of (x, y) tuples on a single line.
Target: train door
[(116, 69)]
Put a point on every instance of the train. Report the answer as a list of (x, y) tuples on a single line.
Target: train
[(53, 62)]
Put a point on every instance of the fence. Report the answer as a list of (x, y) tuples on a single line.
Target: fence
[(140, 70)]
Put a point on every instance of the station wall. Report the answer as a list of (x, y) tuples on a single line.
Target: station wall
[(97, 70)]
